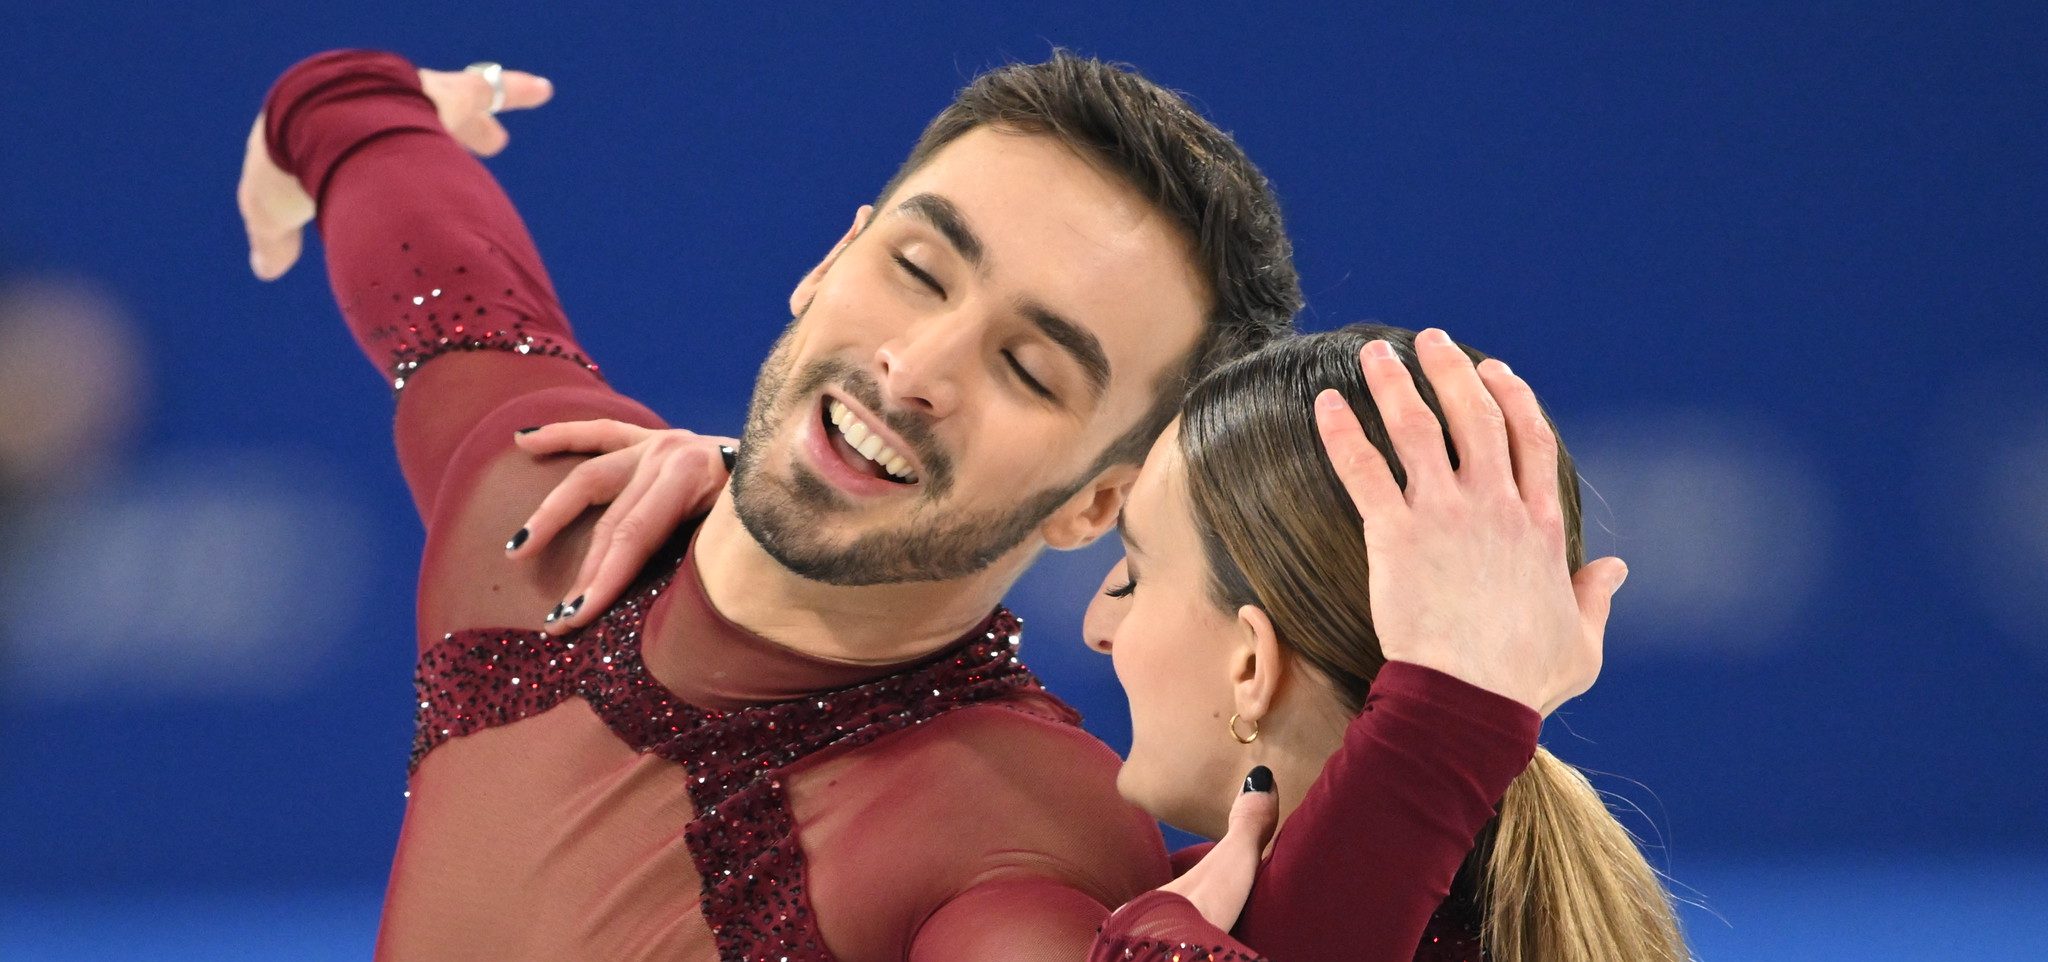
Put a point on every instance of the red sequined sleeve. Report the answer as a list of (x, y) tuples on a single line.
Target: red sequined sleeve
[(427, 258), (1369, 856)]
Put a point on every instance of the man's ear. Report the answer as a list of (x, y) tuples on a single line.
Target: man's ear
[(1091, 512), (800, 299), (1257, 668)]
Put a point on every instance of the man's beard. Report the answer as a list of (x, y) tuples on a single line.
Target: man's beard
[(930, 545)]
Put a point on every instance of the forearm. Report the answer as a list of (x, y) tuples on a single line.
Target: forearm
[(425, 253), (1160, 926), (1370, 854)]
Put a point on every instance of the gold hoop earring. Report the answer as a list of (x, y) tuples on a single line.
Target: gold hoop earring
[(1241, 739)]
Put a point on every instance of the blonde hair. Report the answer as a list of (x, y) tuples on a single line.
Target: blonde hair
[(1558, 878)]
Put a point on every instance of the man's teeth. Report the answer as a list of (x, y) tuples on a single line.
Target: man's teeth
[(865, 441)]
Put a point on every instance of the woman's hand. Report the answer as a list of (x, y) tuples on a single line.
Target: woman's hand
[(1221, 882), (651, 480), (275, 206), (1469, 573)]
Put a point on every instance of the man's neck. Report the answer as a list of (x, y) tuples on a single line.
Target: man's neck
[(876, 624)]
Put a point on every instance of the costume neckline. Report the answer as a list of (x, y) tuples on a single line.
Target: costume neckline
[(713, 662)]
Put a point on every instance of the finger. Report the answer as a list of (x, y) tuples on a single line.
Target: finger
[(1223, 878), (1470, 413), (675, 494), (1416, 434), (596, 481), (523, 91), (1531, 440), (272, 253), (1593, 587), (1358, 463), (483, 135), (618, 516), (584, 437)]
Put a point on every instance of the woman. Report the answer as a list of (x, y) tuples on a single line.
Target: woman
[(1246, 540)]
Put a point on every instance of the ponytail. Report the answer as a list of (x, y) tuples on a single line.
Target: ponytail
[(1565, 882)]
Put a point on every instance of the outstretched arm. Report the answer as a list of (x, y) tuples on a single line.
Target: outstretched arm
[(425, 253), (444, 292)]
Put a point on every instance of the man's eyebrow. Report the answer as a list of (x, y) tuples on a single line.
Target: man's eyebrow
[(944, 217), (1123, 528), (1073, 339)]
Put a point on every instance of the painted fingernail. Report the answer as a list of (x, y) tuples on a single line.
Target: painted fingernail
[(569, 610), (553, 614), (1260, 780), (1381, 350), (517, 540), (527, 430), (725, 451)]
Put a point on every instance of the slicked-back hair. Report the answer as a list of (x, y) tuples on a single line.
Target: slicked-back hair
[(1187, 167)]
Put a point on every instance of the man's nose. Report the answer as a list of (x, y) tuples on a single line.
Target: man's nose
[(922, 368)]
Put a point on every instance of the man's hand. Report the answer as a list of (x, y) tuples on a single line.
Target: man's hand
[(1221, 882), (1468, 567), (652, 480), (275, 206)]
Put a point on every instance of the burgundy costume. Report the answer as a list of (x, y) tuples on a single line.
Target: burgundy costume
[(666, 784)]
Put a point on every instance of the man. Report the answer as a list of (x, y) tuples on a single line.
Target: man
[(804, 734)]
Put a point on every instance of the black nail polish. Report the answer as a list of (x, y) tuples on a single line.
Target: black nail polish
[(572, 607), (731, 457), (517, 540), (527, 430), (1260, 780), (554, 613)]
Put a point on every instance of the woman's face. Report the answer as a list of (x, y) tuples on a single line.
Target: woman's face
[(1173, 650)]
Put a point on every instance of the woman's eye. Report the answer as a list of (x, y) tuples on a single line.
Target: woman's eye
[(1124, 590), (918, 274), (1025, 376)]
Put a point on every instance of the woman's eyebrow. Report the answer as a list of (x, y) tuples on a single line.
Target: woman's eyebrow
[(1123, 530)]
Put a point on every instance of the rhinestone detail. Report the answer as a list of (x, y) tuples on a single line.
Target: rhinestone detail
[(743, 838)]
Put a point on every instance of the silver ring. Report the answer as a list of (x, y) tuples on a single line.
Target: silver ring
[(493, 74)]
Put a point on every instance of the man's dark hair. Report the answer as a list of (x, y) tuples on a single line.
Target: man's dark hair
[(1190, 169)]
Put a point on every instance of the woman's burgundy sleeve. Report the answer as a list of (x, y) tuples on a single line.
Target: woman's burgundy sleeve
[(427, 257), (1161, 926), (1370, 854)]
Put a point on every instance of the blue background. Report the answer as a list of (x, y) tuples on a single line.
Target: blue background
[(1778, 270)]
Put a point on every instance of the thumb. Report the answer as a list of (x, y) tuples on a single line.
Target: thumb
[(271, 254), (1253, 816), (1220, 884), (1594, 585)]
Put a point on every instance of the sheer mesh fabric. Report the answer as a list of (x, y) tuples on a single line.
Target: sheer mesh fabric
[(664, 784)]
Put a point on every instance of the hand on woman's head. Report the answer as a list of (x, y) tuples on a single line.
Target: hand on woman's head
[(1468, 565)]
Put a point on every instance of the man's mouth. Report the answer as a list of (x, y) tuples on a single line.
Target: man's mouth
[(862, 448)]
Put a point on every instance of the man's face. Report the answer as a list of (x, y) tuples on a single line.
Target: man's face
[(959, 362)]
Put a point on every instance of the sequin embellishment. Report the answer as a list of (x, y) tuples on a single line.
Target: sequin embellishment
[(1154, 950), (436, 317), (743, 838)]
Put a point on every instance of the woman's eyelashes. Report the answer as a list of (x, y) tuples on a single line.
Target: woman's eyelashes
[(1123, 590)]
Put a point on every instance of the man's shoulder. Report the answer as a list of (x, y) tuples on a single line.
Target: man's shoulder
[(1023, 730)]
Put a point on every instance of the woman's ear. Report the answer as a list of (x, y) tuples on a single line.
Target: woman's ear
[(1091, 512), (1257, 668), (806, 289)]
